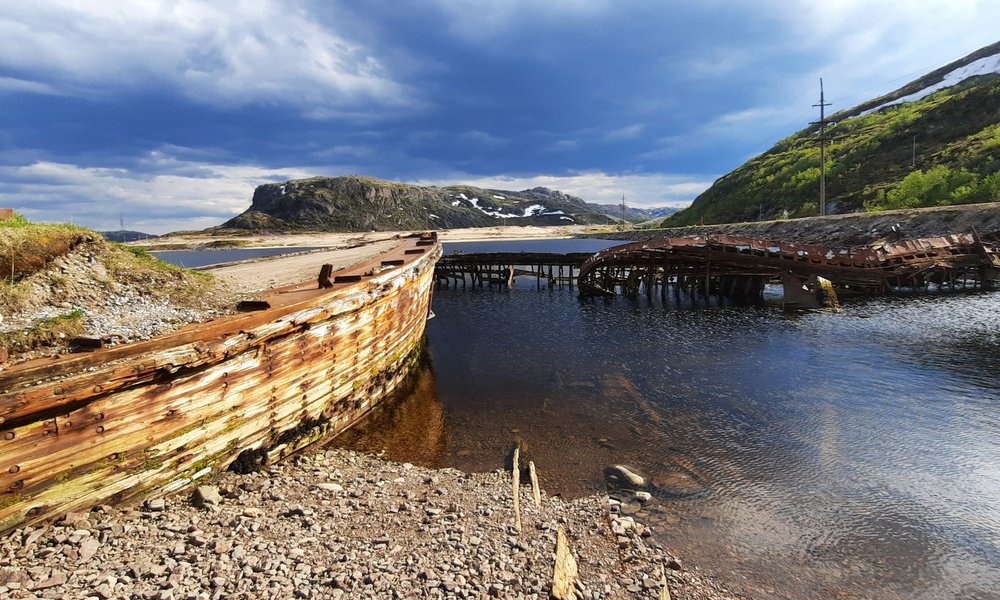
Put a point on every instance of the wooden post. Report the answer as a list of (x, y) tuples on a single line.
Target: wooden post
[(517, 489), (565, 573), (324, 276), (708, 277), (536, 493), (664, 590)]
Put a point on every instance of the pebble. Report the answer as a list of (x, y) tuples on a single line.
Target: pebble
[(206, 495)]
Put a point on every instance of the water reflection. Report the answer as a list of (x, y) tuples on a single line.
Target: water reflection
[(849, 454), (412, 428)]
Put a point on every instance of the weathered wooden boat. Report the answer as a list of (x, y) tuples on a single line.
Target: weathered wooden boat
[(237, 392)]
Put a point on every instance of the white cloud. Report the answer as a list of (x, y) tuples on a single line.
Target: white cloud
[(641, 190), (871, 47), (168, 194), (232, 54), (563, 146), (488, 19), (482, 138), (13, 84), (177, 195), (629, 132), (715, 62)]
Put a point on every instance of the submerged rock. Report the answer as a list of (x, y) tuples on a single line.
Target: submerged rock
[(623, 477)]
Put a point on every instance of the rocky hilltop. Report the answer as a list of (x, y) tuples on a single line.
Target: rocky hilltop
[(935, 141), (357, 203)]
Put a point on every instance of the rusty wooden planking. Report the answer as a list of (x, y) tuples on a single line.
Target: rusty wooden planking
[(184, 406)]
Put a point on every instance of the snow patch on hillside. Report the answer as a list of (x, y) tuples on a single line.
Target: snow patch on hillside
[(983, 66), (531, 211)]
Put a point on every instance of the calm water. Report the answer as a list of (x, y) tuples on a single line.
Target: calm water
[(847, 455), (201, 258)]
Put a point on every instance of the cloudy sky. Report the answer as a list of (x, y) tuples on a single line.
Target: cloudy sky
[(166, 114)]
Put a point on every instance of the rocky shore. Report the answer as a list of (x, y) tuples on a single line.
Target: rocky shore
[(855, 229), (339, 524)]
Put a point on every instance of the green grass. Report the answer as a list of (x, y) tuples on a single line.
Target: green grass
[(26, 248), (53, 331)]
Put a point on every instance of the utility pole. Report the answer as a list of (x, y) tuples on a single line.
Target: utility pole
[(822, 149)]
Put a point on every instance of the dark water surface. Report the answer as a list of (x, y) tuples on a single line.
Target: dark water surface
[(852, 455), (202, 258)]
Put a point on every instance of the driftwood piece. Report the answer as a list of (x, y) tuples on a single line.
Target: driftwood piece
[(664, 590), (517, 489), (564, 574), (536, 493)]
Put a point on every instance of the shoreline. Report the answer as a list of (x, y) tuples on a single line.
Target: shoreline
[(349, 240), (331, 523)]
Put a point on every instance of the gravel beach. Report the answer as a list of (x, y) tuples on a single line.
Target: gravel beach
[(339, 524)]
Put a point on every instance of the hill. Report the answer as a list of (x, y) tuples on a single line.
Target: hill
[(634, 214), (935, 141), (356, 203)]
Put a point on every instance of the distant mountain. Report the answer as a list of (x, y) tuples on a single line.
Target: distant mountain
[(634, 214), (947, 123), (357, 203), (123, 235)]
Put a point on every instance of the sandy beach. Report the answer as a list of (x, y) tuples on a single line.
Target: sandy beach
[(346, 240), (343, 249)]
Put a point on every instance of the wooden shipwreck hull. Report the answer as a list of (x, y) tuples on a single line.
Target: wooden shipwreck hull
[(154, 417)]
